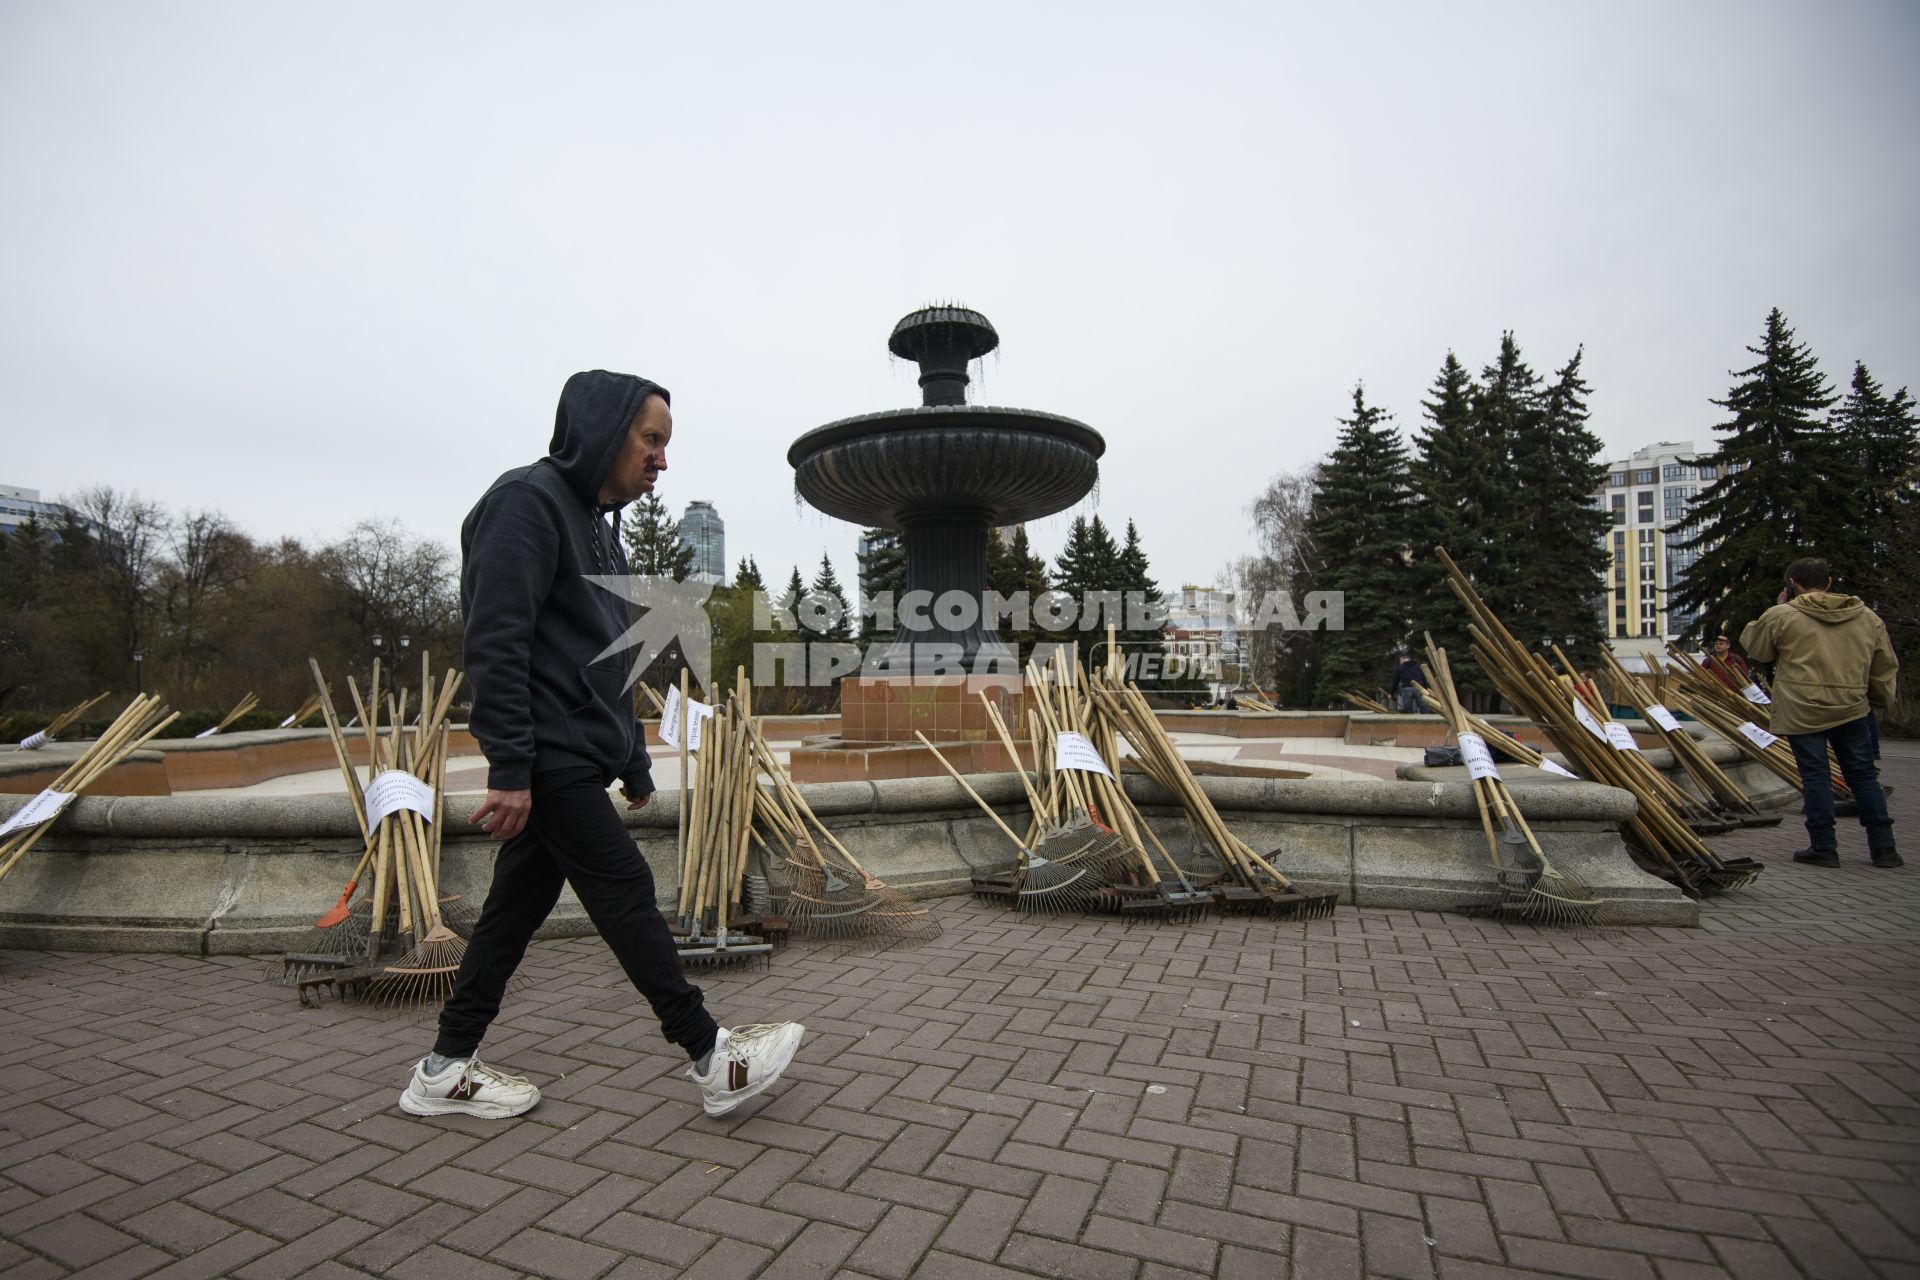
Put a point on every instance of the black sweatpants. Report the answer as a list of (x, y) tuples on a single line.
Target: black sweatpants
[(573, 835)]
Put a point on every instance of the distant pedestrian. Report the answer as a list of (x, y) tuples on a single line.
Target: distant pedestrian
[(1406, 686), (1833, 664), (1728, 667)]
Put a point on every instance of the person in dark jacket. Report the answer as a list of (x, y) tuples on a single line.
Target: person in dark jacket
[(1406, 686), (553, 714)]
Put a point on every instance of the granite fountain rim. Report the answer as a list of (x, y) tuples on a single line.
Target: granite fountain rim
[(915, 417)]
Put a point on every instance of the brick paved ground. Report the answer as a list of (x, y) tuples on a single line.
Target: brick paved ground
[(1384, 1093)]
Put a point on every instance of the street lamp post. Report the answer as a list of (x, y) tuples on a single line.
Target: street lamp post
[(139, 656)]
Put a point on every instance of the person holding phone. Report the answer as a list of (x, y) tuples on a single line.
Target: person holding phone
[(1833, 665)]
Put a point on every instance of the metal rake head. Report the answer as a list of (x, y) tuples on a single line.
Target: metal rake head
[(1001, 890), (326, 949), (1557, 898), (726, 951), (1304, 906), (1161, 902), (1083, 842), (831, 902), (395, 986), (1735, 873), (1051, 888)]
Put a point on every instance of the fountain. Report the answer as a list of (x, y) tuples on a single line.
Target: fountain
[(943, 474)]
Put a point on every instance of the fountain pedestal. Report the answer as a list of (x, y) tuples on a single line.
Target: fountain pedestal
[(880, 716)]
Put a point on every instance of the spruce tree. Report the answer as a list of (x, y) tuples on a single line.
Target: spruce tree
[(1506, 410), (1032, 567), (1764, 509), (883, 572), (1359, 530), (26, 562), (1452, 507), (1136, 578), (789, 601), (827, 593), (1074, 570), (1001, 570), (1898, 599), (1563, 557), (1880, 435), (653, 544), (1106, 557), (1030, 579), (1088, 564), (732, 611)]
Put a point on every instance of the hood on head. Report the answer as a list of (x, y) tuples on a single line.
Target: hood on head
[(596, 407), (1828, 606)]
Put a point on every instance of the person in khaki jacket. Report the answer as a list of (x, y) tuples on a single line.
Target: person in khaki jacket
[(1833, 666)]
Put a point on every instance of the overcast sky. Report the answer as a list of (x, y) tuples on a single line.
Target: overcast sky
[(312, 264)]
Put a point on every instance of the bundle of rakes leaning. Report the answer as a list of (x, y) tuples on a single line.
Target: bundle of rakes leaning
[(1355, 698), (143, 718), (1727, 804), (396, 939), (302, 713), (240, 708), (1532, 888), (736, 796), (1248, 883), (58, 724), (1662, 828), (1088, 847)]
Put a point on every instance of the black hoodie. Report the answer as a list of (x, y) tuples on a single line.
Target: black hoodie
[(534, 624)]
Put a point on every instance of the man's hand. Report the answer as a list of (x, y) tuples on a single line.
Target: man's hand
[(641, 803), (1786, 594), (503, 814)]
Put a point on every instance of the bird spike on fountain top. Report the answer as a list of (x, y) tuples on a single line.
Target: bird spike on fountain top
[(942, 340)]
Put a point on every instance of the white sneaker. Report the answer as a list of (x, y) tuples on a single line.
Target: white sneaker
[(468, 1087), (745, 1061)]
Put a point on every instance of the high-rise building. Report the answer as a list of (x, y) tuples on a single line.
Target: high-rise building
[(702, 529), (1650, 496)]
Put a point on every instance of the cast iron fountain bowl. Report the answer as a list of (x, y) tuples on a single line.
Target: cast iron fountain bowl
[(1009, 464)]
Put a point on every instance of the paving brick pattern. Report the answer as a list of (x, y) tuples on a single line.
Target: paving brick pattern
[(1383, 1093)]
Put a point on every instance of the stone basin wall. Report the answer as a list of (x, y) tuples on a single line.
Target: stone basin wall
[(237, 875)]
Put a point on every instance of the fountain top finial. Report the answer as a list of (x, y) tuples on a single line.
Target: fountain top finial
[(942, 340)]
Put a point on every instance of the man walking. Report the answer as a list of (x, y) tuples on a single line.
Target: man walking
[(555, 720), (1833, 664)]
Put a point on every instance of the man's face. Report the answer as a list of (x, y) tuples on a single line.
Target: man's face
[(1721, 646), (643, 454)]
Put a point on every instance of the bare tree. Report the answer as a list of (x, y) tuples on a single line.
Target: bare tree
[(128, 531), (1282, 564), (395, 584), (209, 557)]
